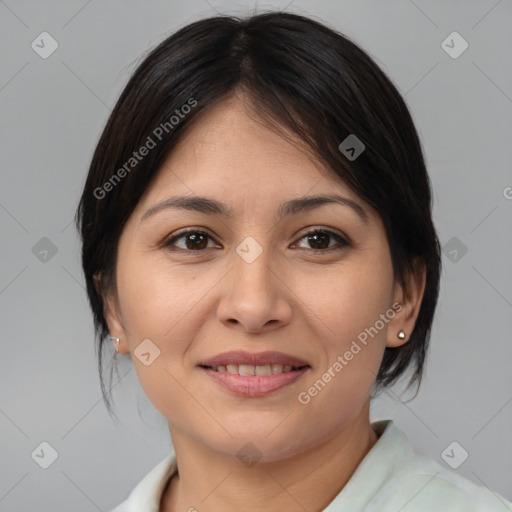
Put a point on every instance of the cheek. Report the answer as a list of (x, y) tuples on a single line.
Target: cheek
[(156, 298), (347, 312), (347, 306), (349, 299), (157, 306)]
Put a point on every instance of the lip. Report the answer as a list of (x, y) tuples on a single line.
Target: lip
[(239, 357), (255, 385)]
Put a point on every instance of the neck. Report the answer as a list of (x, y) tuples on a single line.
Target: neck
[(310, 480)]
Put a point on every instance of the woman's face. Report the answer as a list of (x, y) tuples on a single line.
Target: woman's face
[(254, 283)]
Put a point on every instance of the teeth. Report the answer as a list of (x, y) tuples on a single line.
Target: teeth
[(277, 368), (263, 370), (249, 369)]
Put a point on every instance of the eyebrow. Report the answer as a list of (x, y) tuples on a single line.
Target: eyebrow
[(213, 207)]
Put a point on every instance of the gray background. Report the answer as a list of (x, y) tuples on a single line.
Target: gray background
[(53, 111)]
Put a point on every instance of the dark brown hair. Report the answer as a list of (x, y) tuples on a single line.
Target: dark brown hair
[(302, 75)]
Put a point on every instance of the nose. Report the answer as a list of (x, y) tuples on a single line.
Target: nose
[(255, 298)]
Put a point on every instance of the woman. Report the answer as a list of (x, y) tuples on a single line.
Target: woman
[(257, 236)]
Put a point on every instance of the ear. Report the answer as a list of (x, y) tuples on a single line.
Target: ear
[(112, 314), (410, 300)]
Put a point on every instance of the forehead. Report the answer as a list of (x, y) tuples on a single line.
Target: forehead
[(228, 148), (231, 134)]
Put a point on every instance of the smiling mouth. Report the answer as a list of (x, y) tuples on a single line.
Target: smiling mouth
[(260, 370)]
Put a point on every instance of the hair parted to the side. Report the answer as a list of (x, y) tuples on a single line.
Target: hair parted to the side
[(301, 75)]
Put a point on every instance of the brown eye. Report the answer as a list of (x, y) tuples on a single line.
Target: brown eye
[(319, 240), (194, 240)]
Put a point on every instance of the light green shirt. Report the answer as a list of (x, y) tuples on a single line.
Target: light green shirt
[(391, 478)]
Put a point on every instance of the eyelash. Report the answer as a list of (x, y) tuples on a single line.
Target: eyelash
[(342, 242)]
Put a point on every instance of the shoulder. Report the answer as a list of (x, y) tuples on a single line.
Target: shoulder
[(146, 496), (419, 484), (123, 507), (425, 486)]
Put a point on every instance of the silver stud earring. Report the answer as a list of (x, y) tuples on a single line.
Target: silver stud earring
[(401, 335), (116, 341)]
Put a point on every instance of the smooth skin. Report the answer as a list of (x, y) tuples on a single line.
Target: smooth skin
[(198, 298)]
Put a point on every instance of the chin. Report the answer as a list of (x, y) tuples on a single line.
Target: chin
[(249, 445)]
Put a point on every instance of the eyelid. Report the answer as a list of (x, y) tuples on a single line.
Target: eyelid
[(318, 227)]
